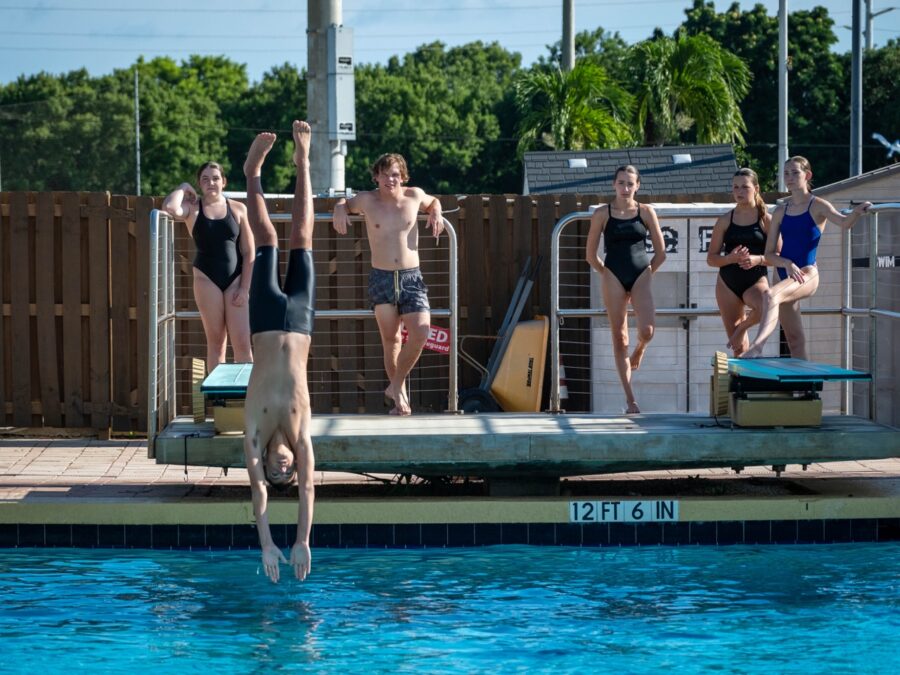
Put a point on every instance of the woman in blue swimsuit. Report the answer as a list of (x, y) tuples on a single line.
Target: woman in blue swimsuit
[(799, 222), (627, 270), (738, 248), (223, 262)]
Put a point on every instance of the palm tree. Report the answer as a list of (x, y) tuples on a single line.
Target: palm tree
[(572, 110), (688, 82)]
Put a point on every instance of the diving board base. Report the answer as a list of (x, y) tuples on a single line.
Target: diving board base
[(228, 417), (772, 411)]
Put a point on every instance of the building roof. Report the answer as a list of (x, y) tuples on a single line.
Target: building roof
[(862, 179), (667, 170)]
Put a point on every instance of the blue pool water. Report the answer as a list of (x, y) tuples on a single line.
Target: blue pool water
[(798, 609)]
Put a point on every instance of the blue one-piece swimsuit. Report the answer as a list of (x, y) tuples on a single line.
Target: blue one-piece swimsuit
[(799, 239)]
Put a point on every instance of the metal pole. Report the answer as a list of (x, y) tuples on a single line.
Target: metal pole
[(326, 162), (453, 383), (846, 279), (782, 90), (869, 18), (137, 135), (152, 344), (567, 55), (856, 93), (873, 321)]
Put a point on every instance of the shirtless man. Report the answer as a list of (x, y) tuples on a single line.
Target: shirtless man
[(277, 444), (397, 291)]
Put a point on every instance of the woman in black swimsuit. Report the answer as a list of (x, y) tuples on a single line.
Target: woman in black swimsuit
[(742, 261), (626, 271), (222, 265)]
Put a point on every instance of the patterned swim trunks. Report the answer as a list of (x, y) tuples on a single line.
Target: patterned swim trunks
[(404, 288)]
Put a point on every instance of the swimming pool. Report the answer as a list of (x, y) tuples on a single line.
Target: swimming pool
[(537, 609)]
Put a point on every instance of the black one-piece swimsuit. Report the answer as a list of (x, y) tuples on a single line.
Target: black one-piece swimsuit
[(754, 238), (218, 254), (626, 251)]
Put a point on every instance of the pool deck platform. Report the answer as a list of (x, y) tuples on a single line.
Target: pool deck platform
[(521, 446)]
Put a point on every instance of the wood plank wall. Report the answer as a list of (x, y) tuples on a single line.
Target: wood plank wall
[(74, 322)]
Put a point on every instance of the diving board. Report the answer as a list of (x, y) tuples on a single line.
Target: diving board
[(792, 370), (773, 392), (227, 380), (226, 388)]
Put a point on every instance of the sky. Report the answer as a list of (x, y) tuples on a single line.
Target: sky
[(57, 36)]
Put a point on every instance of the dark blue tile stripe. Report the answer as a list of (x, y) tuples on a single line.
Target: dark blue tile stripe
[(406, 535)]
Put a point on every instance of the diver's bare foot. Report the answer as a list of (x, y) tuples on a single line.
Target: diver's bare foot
[(301, 131), (632, 408), (256, 155), (637, 356)]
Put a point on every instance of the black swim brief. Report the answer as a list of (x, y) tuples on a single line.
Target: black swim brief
[(404, 288), (288, 308)]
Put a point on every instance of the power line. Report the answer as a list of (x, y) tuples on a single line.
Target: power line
[(195, 36), (362, 10)]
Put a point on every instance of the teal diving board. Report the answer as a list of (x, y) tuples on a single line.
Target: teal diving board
[(227, 380), (788, 370)]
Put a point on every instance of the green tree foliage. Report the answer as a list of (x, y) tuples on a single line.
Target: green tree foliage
[(445, 110), (66, 133), (582, 108), (182, 123), (818, 96), (880, 111), (598, 46), (687, 83), (459, 114), (272, 104)]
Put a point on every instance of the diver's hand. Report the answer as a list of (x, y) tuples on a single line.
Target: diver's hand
[(301, 559), (271, 557)]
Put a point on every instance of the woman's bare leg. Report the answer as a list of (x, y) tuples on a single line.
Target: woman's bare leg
[(616, 300), (785, 291), (731, 310), (645, 314), (237, 322), (792, 324), (211, 304), (752, 298)]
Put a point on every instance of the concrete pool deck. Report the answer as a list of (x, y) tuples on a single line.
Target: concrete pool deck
[(61, 484)]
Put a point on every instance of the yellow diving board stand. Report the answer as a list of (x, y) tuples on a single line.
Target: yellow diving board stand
[(773, 392), (225, 388)]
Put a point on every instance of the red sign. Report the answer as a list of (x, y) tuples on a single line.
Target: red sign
[(438, 339)]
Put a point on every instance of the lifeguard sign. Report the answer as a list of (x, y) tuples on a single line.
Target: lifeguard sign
[(438, 339)]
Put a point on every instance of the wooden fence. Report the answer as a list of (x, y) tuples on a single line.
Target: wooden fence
[(74, 276)]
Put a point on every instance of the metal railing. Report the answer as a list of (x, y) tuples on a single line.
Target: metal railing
[(165, 316), (853, 311), (838, 307), (161, 393)]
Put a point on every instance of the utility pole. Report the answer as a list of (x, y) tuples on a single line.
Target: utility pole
[(870, 16), (329, 94), (782, 90), (137, 134), (856, 92), (567, 53), (320, 15)]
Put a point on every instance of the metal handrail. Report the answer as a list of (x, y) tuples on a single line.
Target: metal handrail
[(557, 315), (160, 321)]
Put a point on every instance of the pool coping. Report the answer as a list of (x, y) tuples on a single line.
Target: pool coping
[(85, 492)]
